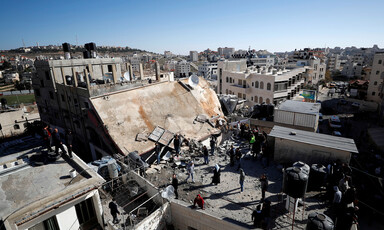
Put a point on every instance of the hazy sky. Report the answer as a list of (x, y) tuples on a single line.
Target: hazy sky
[(184, 25)]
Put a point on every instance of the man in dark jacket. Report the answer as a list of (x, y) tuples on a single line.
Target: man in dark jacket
[(114, 211), (176, 144), (205, 154), (69, 142), (57, 142), (175, 184), (257, 217), (232, 156), (264, 185)]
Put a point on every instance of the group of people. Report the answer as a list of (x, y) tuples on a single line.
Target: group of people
[(339, 184), (52, 137), (261, 215)]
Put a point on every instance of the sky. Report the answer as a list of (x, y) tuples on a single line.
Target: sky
[(183, 25)]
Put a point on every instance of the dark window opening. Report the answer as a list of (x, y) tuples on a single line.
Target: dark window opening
[(85, 211), (47, 75), (51, 95), (109, 68)]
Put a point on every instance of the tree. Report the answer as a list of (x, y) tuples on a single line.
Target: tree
[(328, 77)]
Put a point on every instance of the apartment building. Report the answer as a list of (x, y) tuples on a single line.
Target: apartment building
[(208, 70), (376, 79), (260, 85), (183, 68), (193, 55)]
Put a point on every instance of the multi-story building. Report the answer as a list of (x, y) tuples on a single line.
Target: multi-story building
[(317, 69), (168, 54), (352, 69), (259, 85), (135, 62), (170, 65), (183, 69), (333, 62), (208, 70), (376, 79), (226, 51), (193, 55), (264, 60)]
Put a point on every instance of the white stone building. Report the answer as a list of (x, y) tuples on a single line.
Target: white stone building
[(259, 85), (183, 68), (208, 70), (375, 86), (193, 55)]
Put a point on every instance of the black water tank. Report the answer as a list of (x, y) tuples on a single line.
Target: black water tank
[(66, 47), (318, 221), (270, 110), (92, 46), (317, 176), (86, 54), (302, 166), (295, 182)]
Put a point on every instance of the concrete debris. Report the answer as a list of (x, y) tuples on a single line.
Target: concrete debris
[(141, 137)]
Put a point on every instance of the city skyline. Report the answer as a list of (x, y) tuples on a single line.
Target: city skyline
[(181, 26)]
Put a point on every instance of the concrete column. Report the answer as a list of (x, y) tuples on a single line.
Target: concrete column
[(157, 66), (114, 73), (63, 75), (74, 76), (86, 78), (141, 71), (130, 72)]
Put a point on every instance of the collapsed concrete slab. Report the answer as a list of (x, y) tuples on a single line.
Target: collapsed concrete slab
[(170, 105)]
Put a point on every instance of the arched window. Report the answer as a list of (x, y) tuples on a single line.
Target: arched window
[(261, 85), (268, 101), (253, 84), (230, 80), (260, 100), (227, 80), (256, 99), (269, 86), (256, 84), (375, 83), (226, 91)]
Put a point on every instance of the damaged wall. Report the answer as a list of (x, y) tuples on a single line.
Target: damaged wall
[(157, 220)]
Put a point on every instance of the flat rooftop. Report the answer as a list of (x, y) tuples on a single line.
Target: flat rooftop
[(319, 139), (25, 186), (300, 107)]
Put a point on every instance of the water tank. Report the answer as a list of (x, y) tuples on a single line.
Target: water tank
[(302, 166), (295, 182), (66, 47), (317, 176), (92, 46), (86, 54), (112, 169), (318, 221)]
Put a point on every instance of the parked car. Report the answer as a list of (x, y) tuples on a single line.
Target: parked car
[(334, 122)]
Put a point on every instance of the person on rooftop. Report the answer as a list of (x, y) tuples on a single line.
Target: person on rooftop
[(216, 175), (176, 144), (158, 152), (264, 185), (241, 181), (114, 211), (175, 184), (257, 217), (205, 154), (57, 142), (190, 171), (199, 201), (232, 156)]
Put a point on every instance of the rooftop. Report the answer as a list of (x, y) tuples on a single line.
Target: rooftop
[(329, 141), (29, 189), (171, 105), (300, 107)]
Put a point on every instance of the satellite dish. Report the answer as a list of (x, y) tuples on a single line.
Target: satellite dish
[(127, 76), (193, 80)]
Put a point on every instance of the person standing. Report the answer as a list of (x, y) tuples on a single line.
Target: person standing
[(47, 136), (266, 211), (252, 141), (212, 145), (158, 152), (190, 171), (216, 175), (264, 185), (205, 153), (242, 178), (175, 184), (232, 156), (199, 201), (176, 144), (57, 142), (257, 217), (336, 201), (238, 157), (114, 211), (69, 142)]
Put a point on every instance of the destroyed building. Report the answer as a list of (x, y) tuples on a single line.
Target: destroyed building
[(106, 109)]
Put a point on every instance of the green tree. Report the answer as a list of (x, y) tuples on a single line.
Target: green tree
[(328, 76)]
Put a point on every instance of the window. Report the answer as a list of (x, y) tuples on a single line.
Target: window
[(261, 100), (51, 95), (230, 80), (85, 211), (375, 83), (240, 82), (244, 96), (109, 68), (47, 75), (37, 92), (377, 72), (227, 79), (269, 86), (86, 105), (16, 126), (256, 99), (373, 93), (256, 84), (48, 224), (268, 101), (253, 84), (251, 98), (239, 95), (42, 83), (261, 85), (62, 98), (226, 91), (380, 61)]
